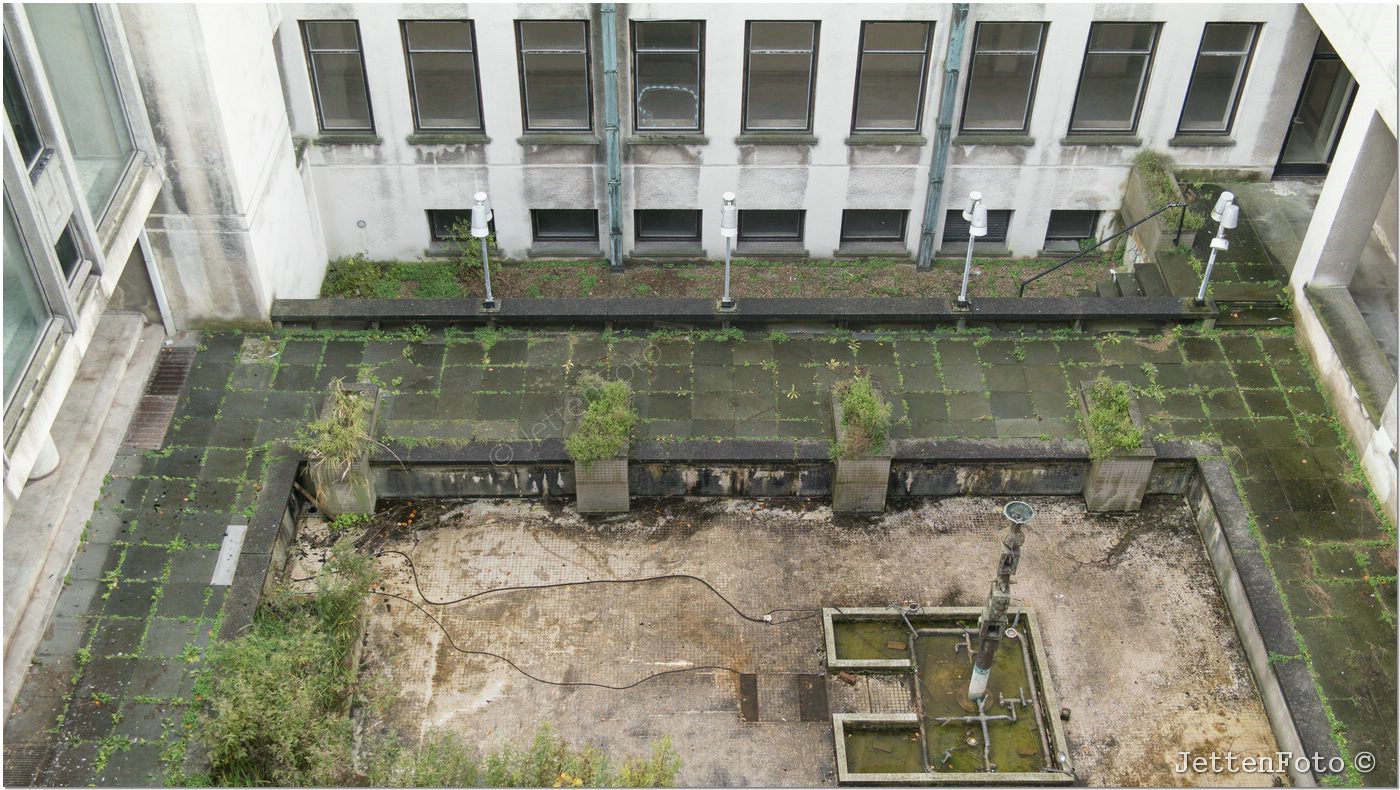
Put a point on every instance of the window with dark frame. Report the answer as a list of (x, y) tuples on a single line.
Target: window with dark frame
[(873, 225), (442, 220), (771, 225), (780, 76), (566, 224), (1217, 80), (667, 224), (556, 93), (1001, 83), (1067, 230), (338, 82), (21, 114), (891, 75), (1117, 62), (442, 74), (955, 227), (668, 76)]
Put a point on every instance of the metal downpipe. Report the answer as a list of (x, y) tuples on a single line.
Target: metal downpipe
[(612, 140), (952, 65)]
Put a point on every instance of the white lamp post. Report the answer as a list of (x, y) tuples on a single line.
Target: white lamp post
[(1228, 215), (481, 228), (976, 216), (728, 228)]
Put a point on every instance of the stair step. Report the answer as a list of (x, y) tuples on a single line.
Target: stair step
[(1107, 289), (1181, 279), (1150, 280), (1128, 284)]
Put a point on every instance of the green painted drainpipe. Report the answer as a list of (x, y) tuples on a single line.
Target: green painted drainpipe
[(612, 141), (952, 64)]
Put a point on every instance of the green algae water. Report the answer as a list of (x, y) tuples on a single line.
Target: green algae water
[(956, 746), (866, 640), (884, 751)]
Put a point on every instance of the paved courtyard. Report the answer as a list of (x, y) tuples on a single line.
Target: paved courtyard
[(111, 690), (1140, 646)]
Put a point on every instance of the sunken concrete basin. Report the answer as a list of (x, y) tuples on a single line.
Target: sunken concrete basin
[(943, 741)]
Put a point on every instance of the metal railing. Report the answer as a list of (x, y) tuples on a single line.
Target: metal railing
[(1181, 221)]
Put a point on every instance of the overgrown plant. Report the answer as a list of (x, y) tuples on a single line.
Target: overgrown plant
[(606, 424), (352, 277), (549, 761), (466, 248), (1111, 428), (865, 418), (1155, 170), (337, 440)]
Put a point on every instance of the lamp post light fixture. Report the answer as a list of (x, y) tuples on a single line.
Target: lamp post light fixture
[(481, 228), (1227, 213), (728, 228), (976, 216)]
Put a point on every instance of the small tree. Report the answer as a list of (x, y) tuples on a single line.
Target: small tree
[(1111, 428), (606, 425), (865, 418)]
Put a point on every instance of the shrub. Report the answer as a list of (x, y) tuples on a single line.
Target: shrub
[(336, 440), (865, 419), (352, 277), (277, 694), (1111, 428), (607, 422), (1155, 170)]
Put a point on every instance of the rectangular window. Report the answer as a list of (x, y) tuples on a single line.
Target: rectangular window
[(767, 225), (443, 220), (68, 253), (667, 65), (442, 75), (338, 75), (890, 76), (1001, 86), (780, 76), (555, 91), (1114, 78), (1067, 229), (79, 71), (564, 224), (668, 225), (860, 224), (1218, 78), (20, 113), (26, 312), (955, 227)]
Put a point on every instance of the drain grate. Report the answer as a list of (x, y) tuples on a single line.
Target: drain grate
[(812, 703), (152, 418), (22, 763), (748, 697)]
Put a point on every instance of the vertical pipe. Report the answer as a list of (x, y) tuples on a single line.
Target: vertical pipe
[(1210, 265), (726, 302), (967, 270), (157, 284), (486, 267), (612, 141), (952, 64)]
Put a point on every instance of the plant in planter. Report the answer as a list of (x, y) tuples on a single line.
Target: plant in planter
[(337, 447), (1120, 454), (1153, 171), (598, 444), (861, 451)]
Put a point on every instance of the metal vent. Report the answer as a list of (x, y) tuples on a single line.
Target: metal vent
[(152, 418), (23, 762)]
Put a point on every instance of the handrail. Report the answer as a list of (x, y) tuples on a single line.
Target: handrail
[(1082, 253)]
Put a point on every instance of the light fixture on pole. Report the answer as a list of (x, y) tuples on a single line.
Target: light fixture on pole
[(992, 626), (976, 216), (481, 228), (728, 228), (1227, 213)]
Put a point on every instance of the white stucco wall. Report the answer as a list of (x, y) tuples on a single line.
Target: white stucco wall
[(390, 185)]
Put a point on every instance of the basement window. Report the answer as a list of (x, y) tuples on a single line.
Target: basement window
[(1069, 229)]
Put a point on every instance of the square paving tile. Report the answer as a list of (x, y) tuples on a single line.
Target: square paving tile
[(968, 406), (1010, 405)]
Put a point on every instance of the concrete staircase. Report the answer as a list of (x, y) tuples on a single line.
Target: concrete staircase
[(1241, 303), (43, 531)]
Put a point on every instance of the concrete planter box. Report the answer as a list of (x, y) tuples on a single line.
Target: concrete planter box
[(354, 491), (1160, 234), (602, 488), (858, 485), (1118, 483)]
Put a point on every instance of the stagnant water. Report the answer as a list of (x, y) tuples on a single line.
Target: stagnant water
[(944, 669)]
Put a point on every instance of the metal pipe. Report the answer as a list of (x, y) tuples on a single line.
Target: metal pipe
[(157, 284), (1035, 698), (1082, 253), (726, 302), (967, 270), (933, 199), (1180, 221), (1210, 266), (612, 136), (486, 267)]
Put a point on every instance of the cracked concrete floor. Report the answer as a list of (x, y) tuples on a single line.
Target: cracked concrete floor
[(1140, 646)]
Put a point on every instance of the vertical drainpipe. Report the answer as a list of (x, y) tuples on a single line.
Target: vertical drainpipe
[(612, 142), (952, 64)]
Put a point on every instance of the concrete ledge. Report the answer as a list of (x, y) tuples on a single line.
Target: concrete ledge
[(1356, 346), (264, 548), (705, 312)]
